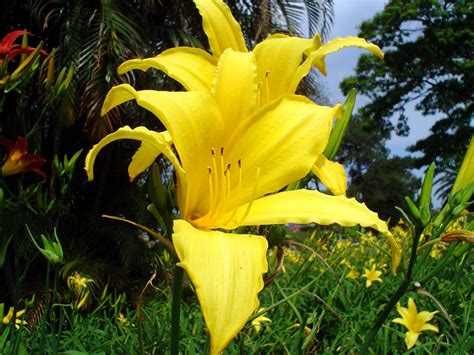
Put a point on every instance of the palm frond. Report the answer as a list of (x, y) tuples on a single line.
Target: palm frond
[(305, 17)]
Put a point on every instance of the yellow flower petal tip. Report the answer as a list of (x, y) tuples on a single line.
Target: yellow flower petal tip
[(331, 174), (226, 270), (153, 144), (415, 322), (117, 96), (221, 28)]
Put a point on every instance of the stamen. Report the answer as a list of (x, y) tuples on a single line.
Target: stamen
[(234, 212), (220, 204), (211, 189), (227, 182), (249, 206), (215, 190), (254, 193)]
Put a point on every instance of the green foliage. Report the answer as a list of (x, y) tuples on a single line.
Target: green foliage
[(313, 306), (376, 178), (428, 49)]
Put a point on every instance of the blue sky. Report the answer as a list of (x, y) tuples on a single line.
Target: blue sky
[(349, 14)]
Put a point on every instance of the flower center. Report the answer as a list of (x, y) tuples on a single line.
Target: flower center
[(224, 179)]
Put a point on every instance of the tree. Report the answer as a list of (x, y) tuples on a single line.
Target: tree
[(428, 47), (379, 180)]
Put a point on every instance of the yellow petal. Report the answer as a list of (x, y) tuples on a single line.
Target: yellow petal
[(235, 87), (20, 313), (221, 28), (400, 321), (305, 206), (331, 174), (412, 311), (9, 316), (156, 140), (142, 159), (146, 155), (280, 143), (425, 316), (411, 338), (402, 311), (316, 58), (226, 270), (429, 327), (191, 67), (278, 58), (195, 125)]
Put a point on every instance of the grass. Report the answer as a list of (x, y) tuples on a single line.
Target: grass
[(323, 311)]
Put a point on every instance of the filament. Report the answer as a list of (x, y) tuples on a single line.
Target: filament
[(249, 206)]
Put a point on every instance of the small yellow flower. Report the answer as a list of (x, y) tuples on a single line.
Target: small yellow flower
[(293, 256), (372, 275), (437, 251), (81, 286), (257, 322), (343, 244), (353, 274), (121, 318), (306, 329), (7, 319), (76, 281), (415, 322)]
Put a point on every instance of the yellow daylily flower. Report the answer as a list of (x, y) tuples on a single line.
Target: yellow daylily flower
[(307, 330), (232, 155), (18, 321), (282, 62), (257, 322), (372, 275), (353, 274), (121, 318), (415, 322)]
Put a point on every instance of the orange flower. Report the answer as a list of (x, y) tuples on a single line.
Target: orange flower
[(19, 160)]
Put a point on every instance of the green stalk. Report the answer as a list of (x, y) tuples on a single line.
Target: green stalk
[(395, 297), (177, 292), (46, 309)]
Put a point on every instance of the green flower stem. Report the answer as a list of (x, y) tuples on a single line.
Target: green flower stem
[(441, 265), (395, 297), (177, 292)]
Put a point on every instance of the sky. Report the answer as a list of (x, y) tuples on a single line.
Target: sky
[(349, 14)]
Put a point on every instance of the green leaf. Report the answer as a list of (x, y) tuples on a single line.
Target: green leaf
[(340, 126)]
